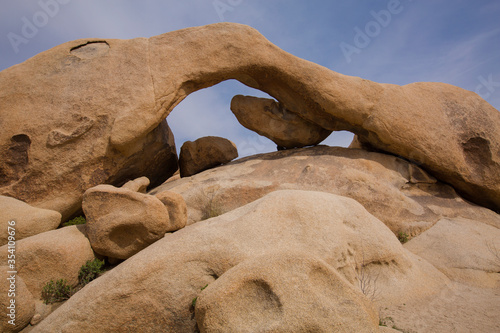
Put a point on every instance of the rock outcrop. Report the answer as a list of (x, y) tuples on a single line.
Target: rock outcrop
[(396, 191), (29, 221), (154, 290), (451, 132), (268, 118), (121, 222), (205, 153)]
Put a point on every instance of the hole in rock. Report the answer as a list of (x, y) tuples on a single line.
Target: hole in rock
[(207, 112), (90, 50)]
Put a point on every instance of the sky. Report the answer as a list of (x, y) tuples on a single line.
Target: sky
[(387, 41)]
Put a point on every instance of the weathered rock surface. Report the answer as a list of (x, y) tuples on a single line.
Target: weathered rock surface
[(397, 192), (154, 290), (449, 131), (52, 255), (176, 207), (205, 153), (57, 115), (29, 220), (466, 251), (254, 296), (121, 222), (23, 306), (268, 118)]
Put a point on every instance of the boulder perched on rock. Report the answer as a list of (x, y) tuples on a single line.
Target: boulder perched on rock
[(255, 296), (137, 185), (449, 131), (29, 220), (121, 222), (177, 209), (52, 255), (155, 288), (399, 193), (205, 153), (270, 119), (16, 301)]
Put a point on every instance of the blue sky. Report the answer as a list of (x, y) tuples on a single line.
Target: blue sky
[(389, 41)]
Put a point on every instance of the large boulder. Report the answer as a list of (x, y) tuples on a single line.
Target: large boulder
[(257, 296), (57, 112), (205, 153), (121, 222), (154, 290), (270, 119), (51, 161), (29, 220), (399, 193), (52, 255)]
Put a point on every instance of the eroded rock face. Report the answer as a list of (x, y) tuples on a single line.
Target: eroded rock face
[(205, 153), (154, 290), (29, 221), (121, 222), (75, 97), (268, 118), (450, 132), (254, 297)]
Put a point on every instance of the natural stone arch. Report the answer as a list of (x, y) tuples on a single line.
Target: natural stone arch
[(100, 111), (427, 123)]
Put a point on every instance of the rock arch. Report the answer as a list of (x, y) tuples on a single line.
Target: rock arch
[(126, 88)]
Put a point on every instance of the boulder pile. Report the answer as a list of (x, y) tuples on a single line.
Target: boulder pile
[(399, 232)]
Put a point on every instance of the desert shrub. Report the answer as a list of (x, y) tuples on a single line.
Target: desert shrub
[(75, 221), (58, 291), (403, 237), (90, 271)]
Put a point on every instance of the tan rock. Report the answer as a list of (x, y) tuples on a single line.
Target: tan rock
[(16, 302), (121, 222), (29, 221), (205, 153), (270, 119), (137, 185), (176, 207), (284, 292), (154, 289), (466, 251), (449, 131), (400, 194), (52, 255)]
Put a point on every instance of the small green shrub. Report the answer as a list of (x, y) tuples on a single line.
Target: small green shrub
[(90, 271), (58, 291), (75, 221), (403, 237)]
